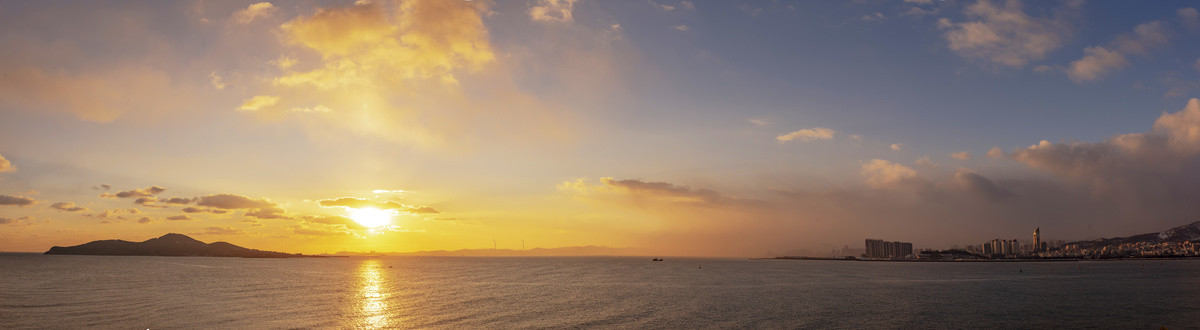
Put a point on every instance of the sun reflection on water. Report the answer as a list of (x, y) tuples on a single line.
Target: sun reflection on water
[(372, 298)]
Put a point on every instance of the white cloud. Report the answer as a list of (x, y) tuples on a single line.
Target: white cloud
[(1005, 34), (961, 155), (995, 152), (881, 173), (216, 81), (680, 27), (259, 102), (877, 16), (806, 135), (6, 166), (924, 161), (1097, 62), (1190, 18), (1100, 61), (897, 146), (758, 121), (552, 11), (261, 9)]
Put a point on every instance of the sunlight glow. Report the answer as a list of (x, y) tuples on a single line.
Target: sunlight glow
[(371, 217)]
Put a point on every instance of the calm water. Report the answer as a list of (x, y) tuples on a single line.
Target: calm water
[(39, 291)]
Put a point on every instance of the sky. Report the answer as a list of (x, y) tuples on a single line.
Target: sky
[(710, 128)]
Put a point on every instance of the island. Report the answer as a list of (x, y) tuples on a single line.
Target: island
[(174, 245)]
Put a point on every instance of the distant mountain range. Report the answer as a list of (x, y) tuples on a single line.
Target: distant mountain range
[(589, 250), (168, 245), (1189, 232)]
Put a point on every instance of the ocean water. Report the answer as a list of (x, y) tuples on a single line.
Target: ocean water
[(39, 291)]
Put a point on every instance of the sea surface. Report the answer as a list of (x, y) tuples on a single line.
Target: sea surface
[(54, 291)]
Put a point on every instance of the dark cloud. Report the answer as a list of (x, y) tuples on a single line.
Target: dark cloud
[(268, 213), (22, 221), (21, 201), (144, 192), (180, 217), (113, 214), (145, 220), (190, 209), (150, 202), (231, 201), (979, 185), (102, 187), (67, 207)]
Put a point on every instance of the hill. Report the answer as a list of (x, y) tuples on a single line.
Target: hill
[(1189, 232), (167, 245)]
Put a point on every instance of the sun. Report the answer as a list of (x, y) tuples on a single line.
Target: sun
[(371, 217)]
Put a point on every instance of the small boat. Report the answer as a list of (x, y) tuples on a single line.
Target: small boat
[(656, 259)]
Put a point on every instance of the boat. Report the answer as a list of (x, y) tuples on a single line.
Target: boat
[(656, 259)]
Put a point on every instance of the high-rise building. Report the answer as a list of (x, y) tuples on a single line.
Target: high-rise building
[(1037, 239), (877, 248)]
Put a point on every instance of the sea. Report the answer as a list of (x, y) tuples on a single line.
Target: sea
[(123, 292)]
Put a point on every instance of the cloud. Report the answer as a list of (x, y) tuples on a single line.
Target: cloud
[(995, 152), (920, 2), (214, 230), (680, 27), (190, 209), (67, 207), (145, 220), (261, 9), (961, 155), (258, 208), (6, 166), (555, 11), (181, 217), (143, 192), (232, 201), (216, 81), (764, 122), (22, 221), (20, 201), (260, 102), (981, 186), (317, 232), (662, 6), (924, 161), (102, 187), (877, 16), (897, 146), (355, 58), (113, 214), (807, 135), (638, 191), (357, 203), (1004, 34), (1189, 17), (1099, 61), (880, 173), (1153, 173), (268, 213)]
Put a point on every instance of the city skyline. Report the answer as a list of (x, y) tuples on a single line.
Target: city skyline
[(675, 127)]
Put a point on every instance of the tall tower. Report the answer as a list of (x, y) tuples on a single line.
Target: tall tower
[(1037, 239)]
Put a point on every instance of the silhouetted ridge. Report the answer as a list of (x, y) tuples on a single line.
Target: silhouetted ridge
[(167, 245)]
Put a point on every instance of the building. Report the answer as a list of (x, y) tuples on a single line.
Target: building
[(1037, 239), (877, 248)]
